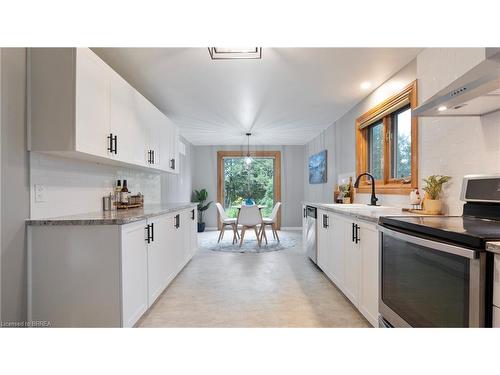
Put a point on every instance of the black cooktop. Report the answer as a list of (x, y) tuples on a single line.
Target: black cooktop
[(468, 231)]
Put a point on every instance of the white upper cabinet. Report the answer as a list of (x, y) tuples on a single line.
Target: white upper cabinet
[(172, 146), (79, 107), (128, 121), (92, 103)]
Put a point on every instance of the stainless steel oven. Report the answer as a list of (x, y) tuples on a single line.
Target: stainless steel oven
[(426, 283)]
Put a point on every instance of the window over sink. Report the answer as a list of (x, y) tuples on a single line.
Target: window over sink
[(386, 144)]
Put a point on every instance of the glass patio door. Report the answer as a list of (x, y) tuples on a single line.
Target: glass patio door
[(254, 181)]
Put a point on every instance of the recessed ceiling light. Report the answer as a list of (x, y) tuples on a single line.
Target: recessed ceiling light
[(442, 108), (365, 85)]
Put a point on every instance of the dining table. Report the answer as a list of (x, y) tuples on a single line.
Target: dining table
[(260, 207)]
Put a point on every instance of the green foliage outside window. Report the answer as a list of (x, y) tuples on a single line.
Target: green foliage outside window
[(242, 181)]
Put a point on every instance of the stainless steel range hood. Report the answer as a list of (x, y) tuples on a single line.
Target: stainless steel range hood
[(476, 93)]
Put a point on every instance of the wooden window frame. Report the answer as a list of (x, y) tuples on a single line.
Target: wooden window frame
[(277, 175), (387, 185)]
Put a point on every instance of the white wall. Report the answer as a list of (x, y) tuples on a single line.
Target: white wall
[(75, 186), (339, 140), (14, 187), (454, 146), (292, 177)]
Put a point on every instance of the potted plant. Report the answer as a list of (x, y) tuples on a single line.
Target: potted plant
[(200, 196), (346, 192), (433, 189)]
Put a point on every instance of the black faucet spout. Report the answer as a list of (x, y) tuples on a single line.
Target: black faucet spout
[(373, 199)]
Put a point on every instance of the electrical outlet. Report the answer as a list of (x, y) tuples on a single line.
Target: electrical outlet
[(40, 193)]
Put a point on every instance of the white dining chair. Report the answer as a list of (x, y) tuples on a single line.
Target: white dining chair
[(226, 221), (249, 217), (272, 222)]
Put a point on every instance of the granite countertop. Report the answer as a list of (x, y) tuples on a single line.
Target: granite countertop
[(117, 217), (361, 211), (494, 247)]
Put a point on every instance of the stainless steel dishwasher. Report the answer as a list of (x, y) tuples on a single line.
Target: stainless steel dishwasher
[(311, 248)]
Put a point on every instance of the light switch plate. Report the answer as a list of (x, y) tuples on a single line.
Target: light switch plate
[(40, 193)]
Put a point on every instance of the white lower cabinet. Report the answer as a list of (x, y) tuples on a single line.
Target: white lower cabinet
[(323, 241), (134, 276), (105, 275), (352, 264), (369, 276), (348, 255), (159, 255)]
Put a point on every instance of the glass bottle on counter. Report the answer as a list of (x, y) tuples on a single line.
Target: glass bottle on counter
[(124, 194), (118, 190)]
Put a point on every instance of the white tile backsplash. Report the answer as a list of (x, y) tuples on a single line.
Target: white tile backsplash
[(74, 186)]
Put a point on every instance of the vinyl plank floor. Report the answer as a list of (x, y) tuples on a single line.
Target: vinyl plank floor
[(270, 289)]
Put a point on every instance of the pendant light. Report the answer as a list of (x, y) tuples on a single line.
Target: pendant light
[(248, 158)]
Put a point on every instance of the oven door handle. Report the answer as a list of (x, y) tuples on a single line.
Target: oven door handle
[(434, 245)]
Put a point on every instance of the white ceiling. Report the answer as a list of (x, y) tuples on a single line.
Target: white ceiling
[(288, 97)]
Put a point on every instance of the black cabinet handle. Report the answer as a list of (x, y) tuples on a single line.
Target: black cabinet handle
[(110, 139), (172, 163), (177, 221), (353, 232), (152, 232), (192, 214), (325, 221), (305, 214), (148, 238), (115, 150), (149, 156), (153, 152)]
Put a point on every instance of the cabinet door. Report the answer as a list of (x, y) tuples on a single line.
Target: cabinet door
[(177, 242), (158, 257), (323, 241), (304, 227), (91, 103), (194, 231), (337, 260), (171, 146), (368, 298), (151, 121), (186, 235), (163, 143), (134, 272), (352, 264), (175, 149), (127, 121)]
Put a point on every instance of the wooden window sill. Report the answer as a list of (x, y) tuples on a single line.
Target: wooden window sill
[(396, 189)]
